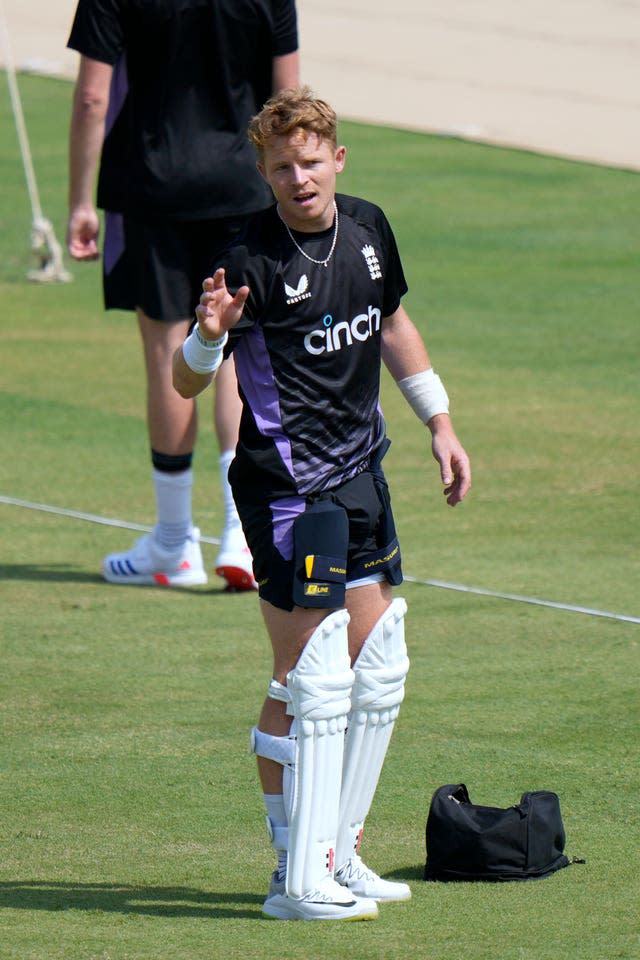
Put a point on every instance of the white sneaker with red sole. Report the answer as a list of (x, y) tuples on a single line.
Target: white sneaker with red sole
[(234, 562)]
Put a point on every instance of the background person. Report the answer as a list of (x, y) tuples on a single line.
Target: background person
[(162, 101), (312, 308)]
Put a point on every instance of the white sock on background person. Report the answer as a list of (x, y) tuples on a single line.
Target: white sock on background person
[(173, 506)]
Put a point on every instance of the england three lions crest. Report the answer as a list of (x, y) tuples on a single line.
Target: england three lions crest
[(371, 257)]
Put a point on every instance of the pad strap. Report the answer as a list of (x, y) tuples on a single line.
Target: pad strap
[(278, 691), (281, 750)]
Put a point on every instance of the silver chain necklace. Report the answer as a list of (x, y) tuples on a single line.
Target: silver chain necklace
[(320, 263)]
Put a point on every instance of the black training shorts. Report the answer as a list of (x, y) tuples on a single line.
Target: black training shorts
[(310, 567), (159, 266)]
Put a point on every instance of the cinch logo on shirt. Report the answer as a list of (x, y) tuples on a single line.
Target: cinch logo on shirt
[(301, 292), (332, 336)]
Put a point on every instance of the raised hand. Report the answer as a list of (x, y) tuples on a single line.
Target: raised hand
[(218, 311)]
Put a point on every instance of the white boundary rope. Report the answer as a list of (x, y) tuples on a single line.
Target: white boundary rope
[(90, 517), (43, 238), (479, 591), (441, 584)]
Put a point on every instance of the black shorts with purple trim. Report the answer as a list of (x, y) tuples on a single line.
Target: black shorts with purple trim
[(159, 266), (307, 550)]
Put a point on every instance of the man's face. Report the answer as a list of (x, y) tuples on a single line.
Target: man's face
[(301, 170)]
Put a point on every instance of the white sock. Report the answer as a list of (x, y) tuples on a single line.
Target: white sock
[(231, 518), (173, 505), (274, 805)]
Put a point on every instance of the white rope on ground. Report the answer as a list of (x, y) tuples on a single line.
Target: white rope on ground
[(442, 584), (90, 517), (479, 591), (43, 239)]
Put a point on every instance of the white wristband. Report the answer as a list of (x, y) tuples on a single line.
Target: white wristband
[(203, 356), (425, 394)]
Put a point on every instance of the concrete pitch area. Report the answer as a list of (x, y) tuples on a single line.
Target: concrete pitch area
[(554, 76)]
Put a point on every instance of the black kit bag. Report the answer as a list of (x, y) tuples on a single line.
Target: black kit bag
[(469, 842)]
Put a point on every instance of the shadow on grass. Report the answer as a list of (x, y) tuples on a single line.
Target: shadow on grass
[(128, 899), (408, 874), (186, 902), (49, 572), (66, 573)]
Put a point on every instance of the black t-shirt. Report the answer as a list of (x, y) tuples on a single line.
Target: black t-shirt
[(188, 77), (307, 350)]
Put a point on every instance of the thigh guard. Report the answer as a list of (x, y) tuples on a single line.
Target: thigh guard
[(321, 536)]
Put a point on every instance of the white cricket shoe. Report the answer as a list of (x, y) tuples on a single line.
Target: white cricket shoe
[(329, 901), (234, 561), (149, 563), (363, 882)]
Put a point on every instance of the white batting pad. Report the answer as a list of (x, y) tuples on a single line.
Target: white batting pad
[(377, 693), (319, 687)]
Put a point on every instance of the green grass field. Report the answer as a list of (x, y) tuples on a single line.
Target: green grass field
[(131, 823)]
